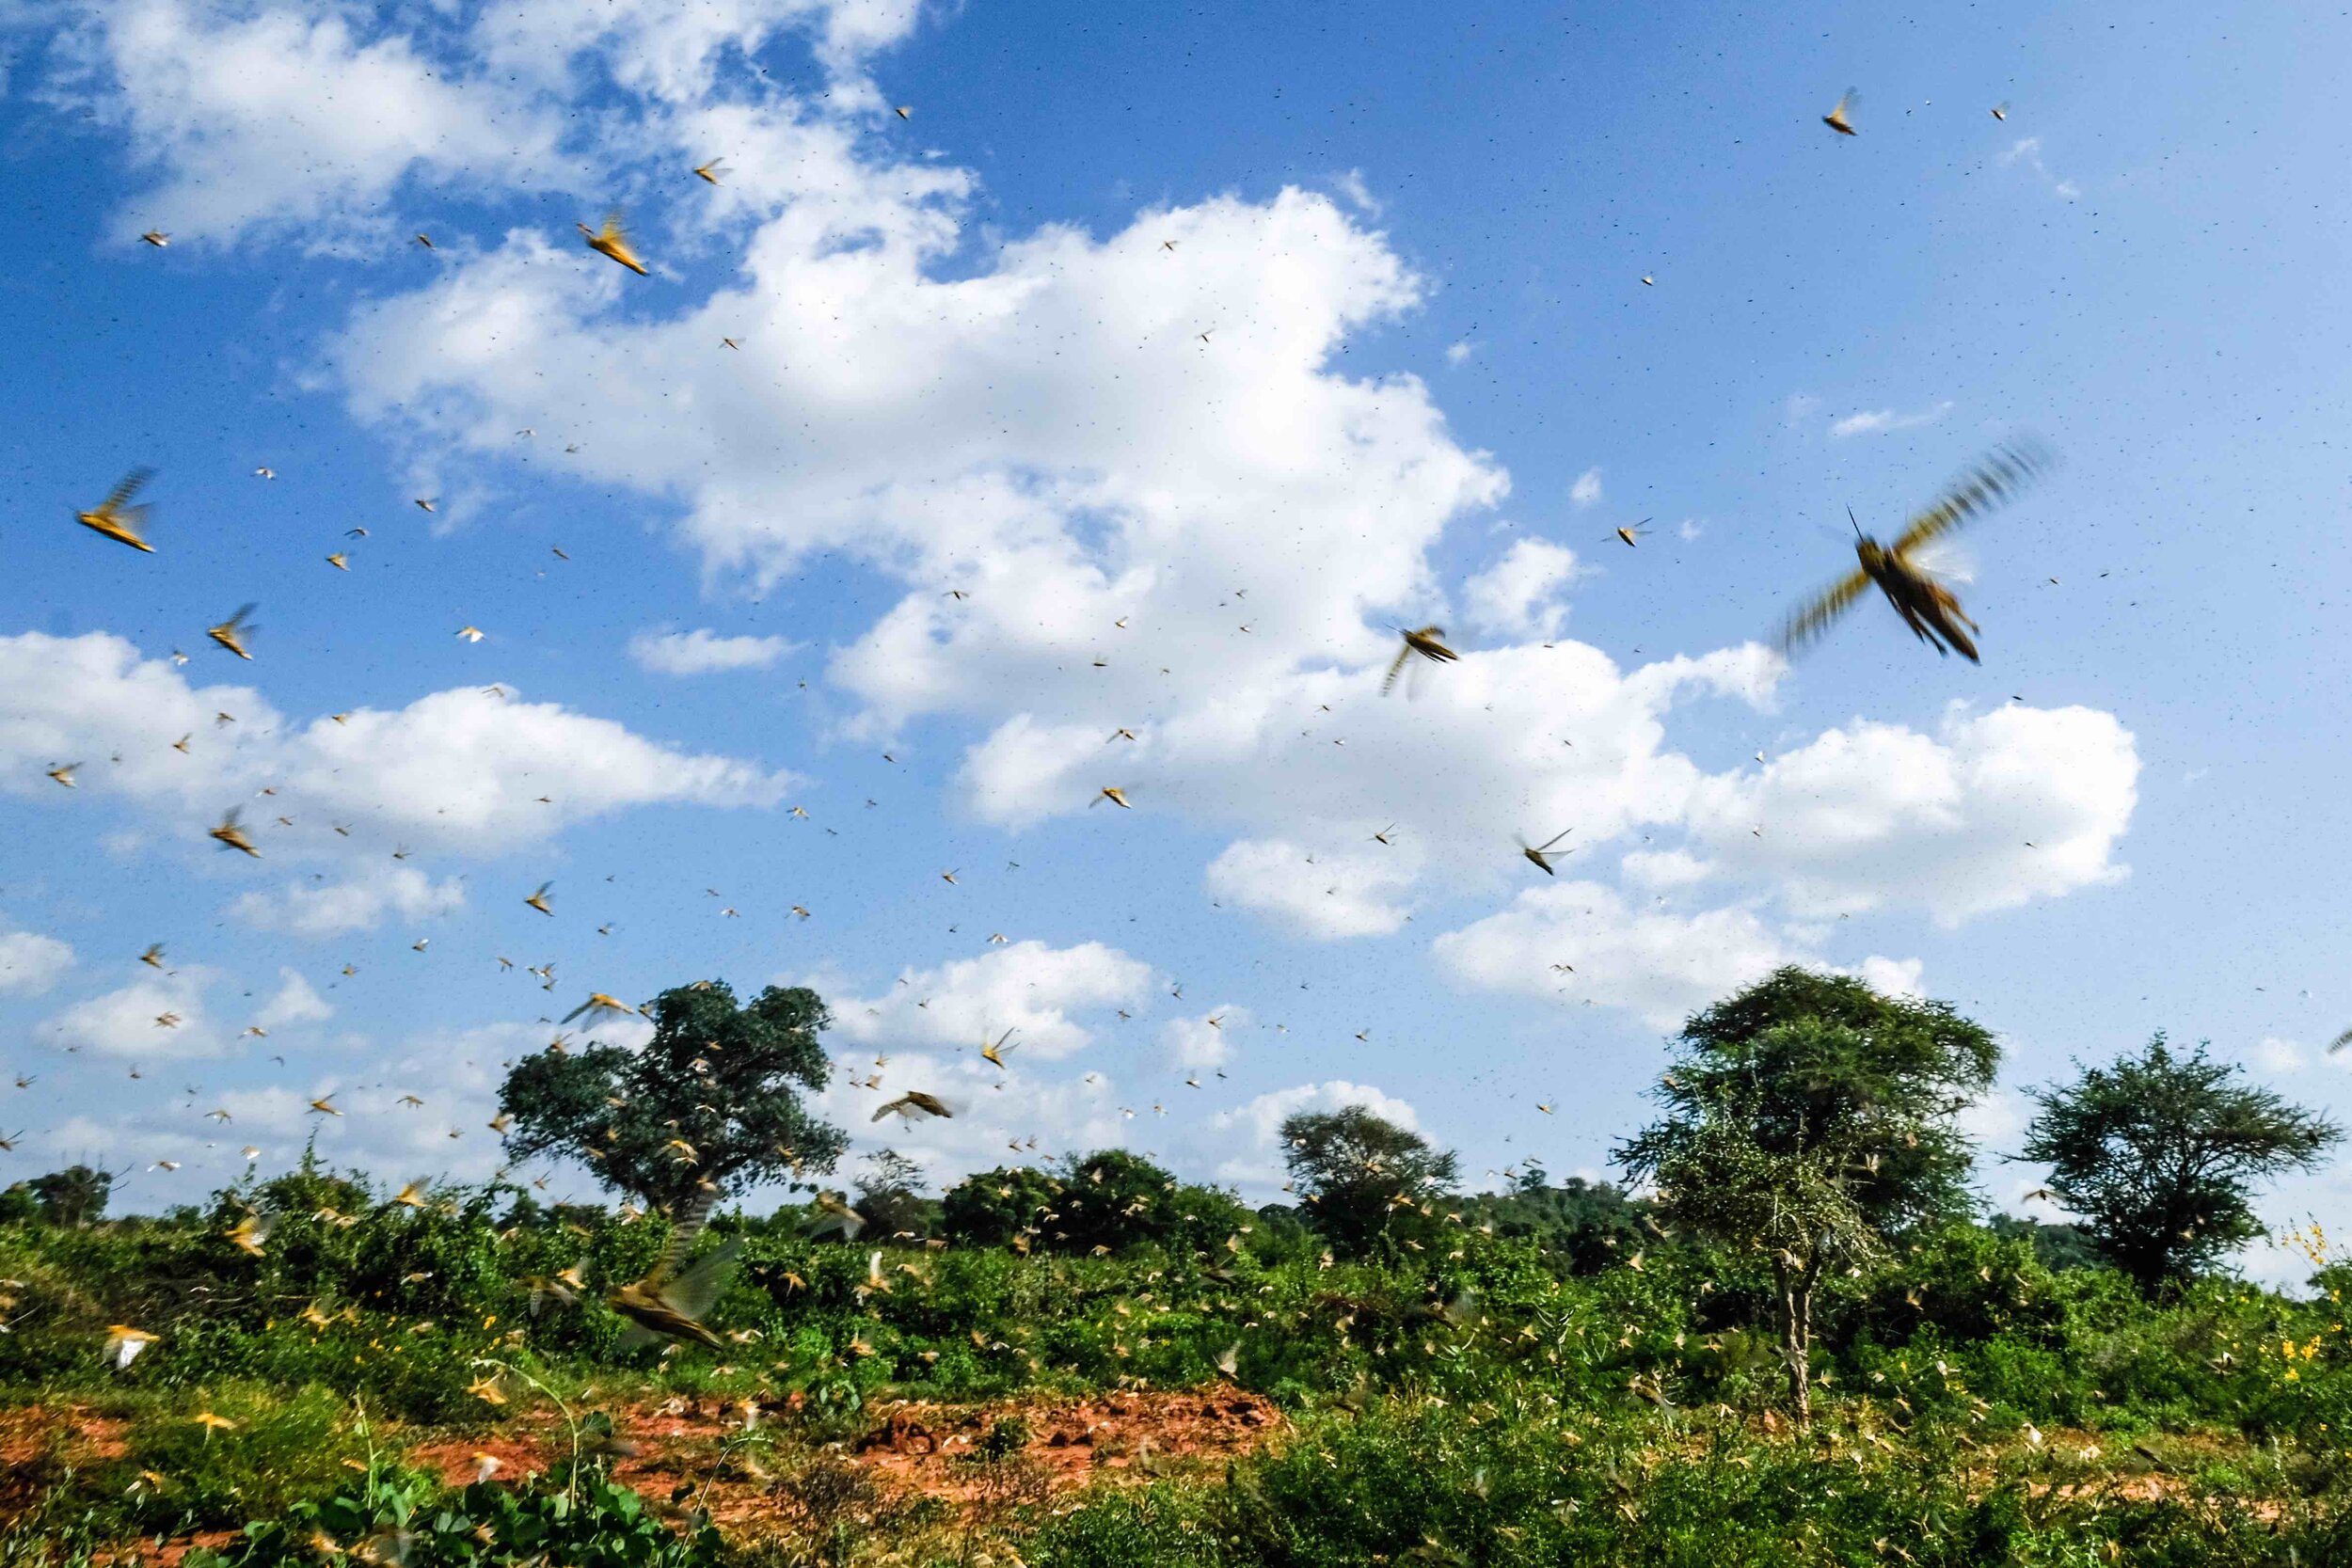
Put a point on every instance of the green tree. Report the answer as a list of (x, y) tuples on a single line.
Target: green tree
[(1809, 1118), (1364, 1179), (76, 1195), (714, 1096), (990, 1208), (1588, 1225), (1109, 1199), (890, 1197), (2158, 1154)]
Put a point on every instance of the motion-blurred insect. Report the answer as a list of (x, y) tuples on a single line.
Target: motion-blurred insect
[(1632, 532), (671, 1300), (1927, 607), (1835, 119), (231, 634), (115, 518), (1425, 641), (1540, 853), (613, 241)]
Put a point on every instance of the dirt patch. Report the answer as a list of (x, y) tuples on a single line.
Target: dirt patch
[(30, 1431), (1075, 1442), (913, 1449)]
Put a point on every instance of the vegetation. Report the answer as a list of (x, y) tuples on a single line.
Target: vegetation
[(2161, 1154), (1810, 1121), (1368, 1182), (711, 1098), (1556, 1374)]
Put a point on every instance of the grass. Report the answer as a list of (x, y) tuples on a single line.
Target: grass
[(1974, 1405)]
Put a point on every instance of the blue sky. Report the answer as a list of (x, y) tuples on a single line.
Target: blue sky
[(1431, 386)]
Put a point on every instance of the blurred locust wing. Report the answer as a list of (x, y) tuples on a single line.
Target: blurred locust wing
[(1992, 482), (1815, 618)]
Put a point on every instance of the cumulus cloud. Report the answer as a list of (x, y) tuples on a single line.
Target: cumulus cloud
[(464, 768), (994, 1122), (1893, 976), (1586, 490), (285, 115), (1204, 1041), (1654, 962), (1519, 594), (1994, 811), (702, 651), (30, 964), (1254, 1131), (1340, 893), (1879, 422), (155, 1018), (360, 903), (296, 1003), (1024, 986), (273, 119), (1184, 521)]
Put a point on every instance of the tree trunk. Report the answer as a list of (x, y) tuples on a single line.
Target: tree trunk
[(1796, 1337)]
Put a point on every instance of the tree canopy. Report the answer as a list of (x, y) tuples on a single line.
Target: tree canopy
[(712, 1104), (1362, 1178), (1811, 1061), (1108, 1200), (76, 1195), (1808, 1118), (2160, 1153)]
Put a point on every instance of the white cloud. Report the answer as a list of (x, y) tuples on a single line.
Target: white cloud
[(1519, 594), (1522, 739), (1881, 420), (309, 118), (1196, 1042), (276, 119), (1654, 962), (461, 768), (1458, 350), (1185, 521), (1996, 1125), (1337, 894), (702, 651), (1024, 986), (130, 1019), (2273, 1054), (1893, 976), (296, 1003), (672, 55), (1256, 1164), (1586, 490), (1991, 812), (1664, 870), (2027, 150), (1352, 186), (358, 903), (995, 1118), (30, 964)]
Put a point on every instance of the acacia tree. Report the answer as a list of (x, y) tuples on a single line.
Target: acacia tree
[(1808, 1120), (709, 1106), (76, 1195), (2159, 1155), (1358, 1173)]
